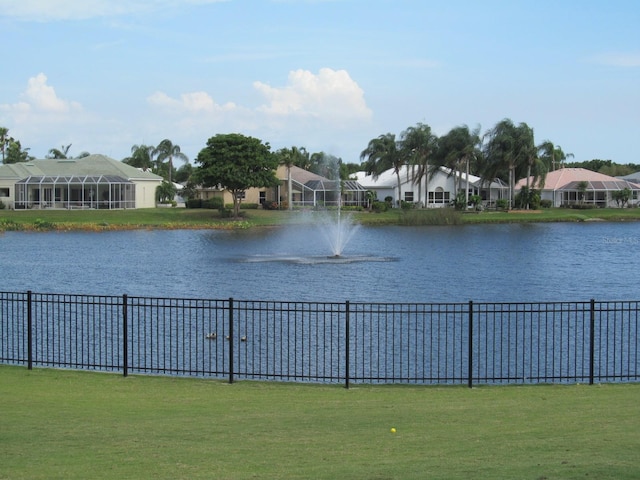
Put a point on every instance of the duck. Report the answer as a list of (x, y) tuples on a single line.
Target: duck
[(212, 336)]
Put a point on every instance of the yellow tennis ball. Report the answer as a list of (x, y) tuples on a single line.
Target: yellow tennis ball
[(393, 429)]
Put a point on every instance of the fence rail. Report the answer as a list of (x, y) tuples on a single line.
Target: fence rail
[(423, 343)]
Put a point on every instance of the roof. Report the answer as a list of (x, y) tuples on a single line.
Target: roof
[(388, 178), (569, 178), (93, 165), (317, 182)]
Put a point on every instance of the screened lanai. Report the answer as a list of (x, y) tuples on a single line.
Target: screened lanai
[(75, 192), (327, 192)]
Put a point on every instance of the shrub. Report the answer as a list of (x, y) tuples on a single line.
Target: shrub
[(193, 203), (2, 205), (215, 203), (379, 206), (270, 205), (502, 204), (432, 216), (406, 205), (545, 203)]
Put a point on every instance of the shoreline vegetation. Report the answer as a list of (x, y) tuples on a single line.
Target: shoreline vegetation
[(181, 218)]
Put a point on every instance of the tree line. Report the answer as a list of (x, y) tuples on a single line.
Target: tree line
[(508, 152)]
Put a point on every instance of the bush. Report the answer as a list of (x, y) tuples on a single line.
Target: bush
[(193, 203), (502, 204), (545, 203), (406, 205), (215, 203), (432, 216), (379, 207), (2, 205)]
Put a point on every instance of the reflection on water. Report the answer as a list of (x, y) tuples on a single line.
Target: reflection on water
[(532, 262)]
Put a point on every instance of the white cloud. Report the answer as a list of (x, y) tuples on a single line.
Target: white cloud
[(41, 98), (189, 103), (331, 95), (47, 10)]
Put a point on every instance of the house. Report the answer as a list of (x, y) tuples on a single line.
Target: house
[(568, 186), (439, 190), (95, 181), (308, 190)]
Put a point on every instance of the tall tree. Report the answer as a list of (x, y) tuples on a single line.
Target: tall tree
[(141, 157), (506, 151), (15, 153), (4, 141), (166, 150), (290, 157), (458, 150), (382, 153), (235, 163), (419, 146), (59, 153)]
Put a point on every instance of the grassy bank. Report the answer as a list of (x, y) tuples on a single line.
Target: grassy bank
[(180, 218), (64, 424)]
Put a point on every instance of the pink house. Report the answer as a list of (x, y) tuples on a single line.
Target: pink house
[(565, 187)]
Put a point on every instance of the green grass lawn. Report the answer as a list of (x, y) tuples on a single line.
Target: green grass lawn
[(97, 220), (66, 424)]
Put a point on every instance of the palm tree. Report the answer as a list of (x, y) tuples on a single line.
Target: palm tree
[(419, 145), (141, 157), (167, 150), (4, 140), (507, 150), (457, 149), (551, 154), (382, 153), (60, 154)]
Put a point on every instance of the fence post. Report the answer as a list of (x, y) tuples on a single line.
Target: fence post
[(347, 334), (125, 335), (29, 332), (230, 339), (470, 367), (592, 339)]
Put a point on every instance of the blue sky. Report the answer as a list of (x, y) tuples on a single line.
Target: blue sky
[(330, 75)]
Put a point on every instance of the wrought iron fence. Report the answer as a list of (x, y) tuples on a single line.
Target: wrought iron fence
[(422, 343)]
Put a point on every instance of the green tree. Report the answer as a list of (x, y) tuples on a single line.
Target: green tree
[(458, 150), (290, 157), (141, 157), (419, 145), (184, 173), (15, 153), (59, 153), (4, 141), (622, 197), (235, 163), (382, 154), (166, 150), (507, 151), (165, 192)]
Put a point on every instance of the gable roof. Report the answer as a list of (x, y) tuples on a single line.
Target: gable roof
[(94, 165), (569, 178)]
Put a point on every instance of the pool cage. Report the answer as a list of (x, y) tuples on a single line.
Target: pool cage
[(75, 192)]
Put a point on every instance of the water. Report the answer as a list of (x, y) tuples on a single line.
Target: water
[(528, 262)]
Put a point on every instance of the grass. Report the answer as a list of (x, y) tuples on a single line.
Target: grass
[(180, 218), (66, 424)]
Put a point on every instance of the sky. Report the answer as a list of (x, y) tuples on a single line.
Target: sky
[(327, 75)]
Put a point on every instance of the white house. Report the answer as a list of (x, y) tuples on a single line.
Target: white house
[(439, 190), (95, 181)]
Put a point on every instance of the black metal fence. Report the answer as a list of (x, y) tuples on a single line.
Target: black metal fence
[(422, 343)]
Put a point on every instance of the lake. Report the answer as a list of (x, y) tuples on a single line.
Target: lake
[(484, 263)]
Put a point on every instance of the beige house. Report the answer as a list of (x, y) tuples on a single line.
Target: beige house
[(308, 190), (95, 181)]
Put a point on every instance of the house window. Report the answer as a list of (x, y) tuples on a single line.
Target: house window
[(439, 196), (263, 197), (408, 197), (4, 192)]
